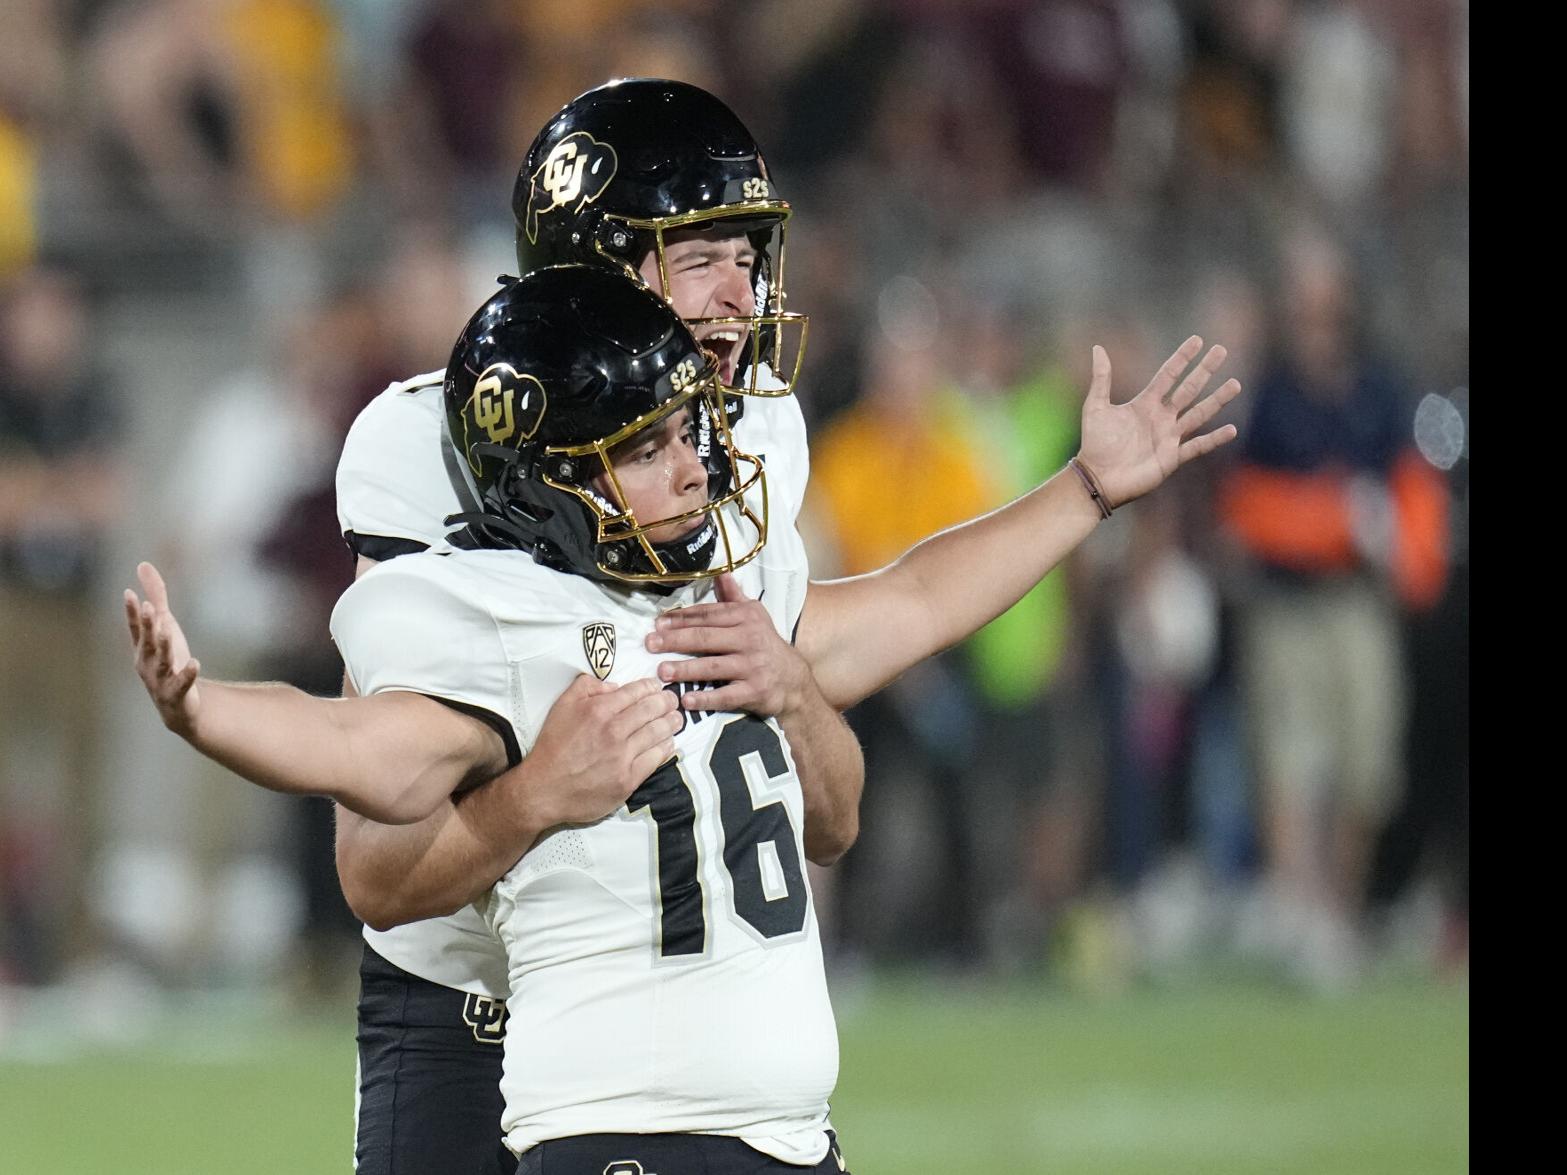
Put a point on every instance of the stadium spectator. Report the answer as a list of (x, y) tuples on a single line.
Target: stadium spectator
[(61, 491), (1329, 501), (1025, 780), (34, 72)]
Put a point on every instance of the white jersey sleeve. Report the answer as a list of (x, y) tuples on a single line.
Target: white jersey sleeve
[(394, 487), (407, 625)]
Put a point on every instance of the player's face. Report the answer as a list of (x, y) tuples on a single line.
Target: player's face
[(710, 276), (659, 475)]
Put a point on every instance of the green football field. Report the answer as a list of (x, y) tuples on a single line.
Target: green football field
[(937, 1079)]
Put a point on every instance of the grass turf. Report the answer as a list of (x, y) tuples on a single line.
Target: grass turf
[(936, 1080)]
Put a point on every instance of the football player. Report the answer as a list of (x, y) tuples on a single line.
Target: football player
[(659, 180)]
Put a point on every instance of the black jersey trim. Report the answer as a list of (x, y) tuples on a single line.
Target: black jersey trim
[(381, 547), (794, 633), (491, 719)]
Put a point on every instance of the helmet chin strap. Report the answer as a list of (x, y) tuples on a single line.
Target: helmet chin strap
[(693, 553), (482, 531)]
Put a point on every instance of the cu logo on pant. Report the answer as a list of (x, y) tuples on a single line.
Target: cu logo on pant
[(627, 1167), (487, 1018)]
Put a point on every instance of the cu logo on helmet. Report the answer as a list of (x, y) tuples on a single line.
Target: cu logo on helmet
[(578, 167), (505, 404)]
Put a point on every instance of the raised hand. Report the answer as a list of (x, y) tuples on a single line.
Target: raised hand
[(598, 743), (163, 660), (733, 641), (1133, 447)]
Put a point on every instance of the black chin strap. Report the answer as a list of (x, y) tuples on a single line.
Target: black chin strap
[(482, 531)]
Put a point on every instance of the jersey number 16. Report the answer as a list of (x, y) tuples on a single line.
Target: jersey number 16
[(767, 883)]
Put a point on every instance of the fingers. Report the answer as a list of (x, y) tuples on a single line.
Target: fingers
[(653, 743), (704, 641), (148, 648), (705, 616), (1191, 387), (184, 680), (133, 617), (736, 696), (1164, 379), (585, 685), (165, 645), (725, 668), (648, 710), (1099, 384), (1202, 413), (621, 698), (152, 586), (649, 760), (1207, 443)]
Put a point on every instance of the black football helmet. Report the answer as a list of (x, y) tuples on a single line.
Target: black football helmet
[(624, 164), (554, 373)]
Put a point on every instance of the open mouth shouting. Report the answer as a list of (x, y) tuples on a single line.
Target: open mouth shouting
[(727, 342)]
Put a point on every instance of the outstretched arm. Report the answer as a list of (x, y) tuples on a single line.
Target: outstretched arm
[(859, 634), (393, 757)]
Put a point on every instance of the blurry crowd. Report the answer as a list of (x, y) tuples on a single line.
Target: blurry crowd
[(1233, 726)]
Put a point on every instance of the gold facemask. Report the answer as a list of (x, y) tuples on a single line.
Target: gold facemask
[(743, 506), (775, 337)]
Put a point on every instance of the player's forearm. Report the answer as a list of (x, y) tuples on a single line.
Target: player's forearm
[(831, 767), (860, 634), (395, 874), (351, 750)]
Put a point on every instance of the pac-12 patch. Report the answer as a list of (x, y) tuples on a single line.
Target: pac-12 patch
[(598, 642)]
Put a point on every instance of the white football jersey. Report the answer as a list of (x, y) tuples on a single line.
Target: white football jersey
[(664, 964), (395, 488)]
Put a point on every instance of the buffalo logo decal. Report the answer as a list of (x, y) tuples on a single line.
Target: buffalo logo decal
[(598, 642), (578, 168)]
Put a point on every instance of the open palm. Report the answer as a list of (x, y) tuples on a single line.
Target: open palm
[(163, 660), (1133, 447)]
